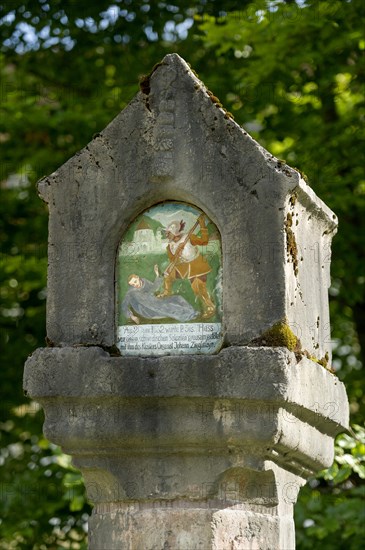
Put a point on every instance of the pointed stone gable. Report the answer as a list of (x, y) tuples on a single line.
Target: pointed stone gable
[(174, 142)]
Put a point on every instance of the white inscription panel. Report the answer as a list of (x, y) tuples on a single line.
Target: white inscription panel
[(169, 339)]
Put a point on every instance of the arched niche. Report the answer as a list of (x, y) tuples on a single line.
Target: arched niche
[(169, 283)]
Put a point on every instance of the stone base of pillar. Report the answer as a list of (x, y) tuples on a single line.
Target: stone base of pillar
[(207, 452), (186, 525)]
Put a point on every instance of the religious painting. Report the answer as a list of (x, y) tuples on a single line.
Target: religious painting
[(169, 283)]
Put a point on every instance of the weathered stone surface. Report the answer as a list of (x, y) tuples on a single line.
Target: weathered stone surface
[(216, 446), (195, 528), (247, 373), (174, 143), (242, 400), (199, 451)]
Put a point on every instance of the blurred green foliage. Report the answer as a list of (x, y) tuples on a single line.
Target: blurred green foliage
[(292, 73), (330, 512)]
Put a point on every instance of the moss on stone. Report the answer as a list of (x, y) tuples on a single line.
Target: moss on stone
[(303, 175), (144, 82), (324, 362), (291, 244), (279, 335), (293, 199), (228, 114), (192, 70), (214, 99)]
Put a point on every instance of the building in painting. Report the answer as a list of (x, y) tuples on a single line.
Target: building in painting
[(145, 240)]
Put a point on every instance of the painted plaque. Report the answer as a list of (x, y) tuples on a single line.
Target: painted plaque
[(169, 279)]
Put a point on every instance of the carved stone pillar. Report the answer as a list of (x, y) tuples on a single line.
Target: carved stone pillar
[(188, 451)]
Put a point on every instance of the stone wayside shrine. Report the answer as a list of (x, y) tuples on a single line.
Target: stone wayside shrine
[(188, 362)]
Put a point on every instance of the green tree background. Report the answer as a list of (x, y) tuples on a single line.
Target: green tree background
[(292, 73)]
